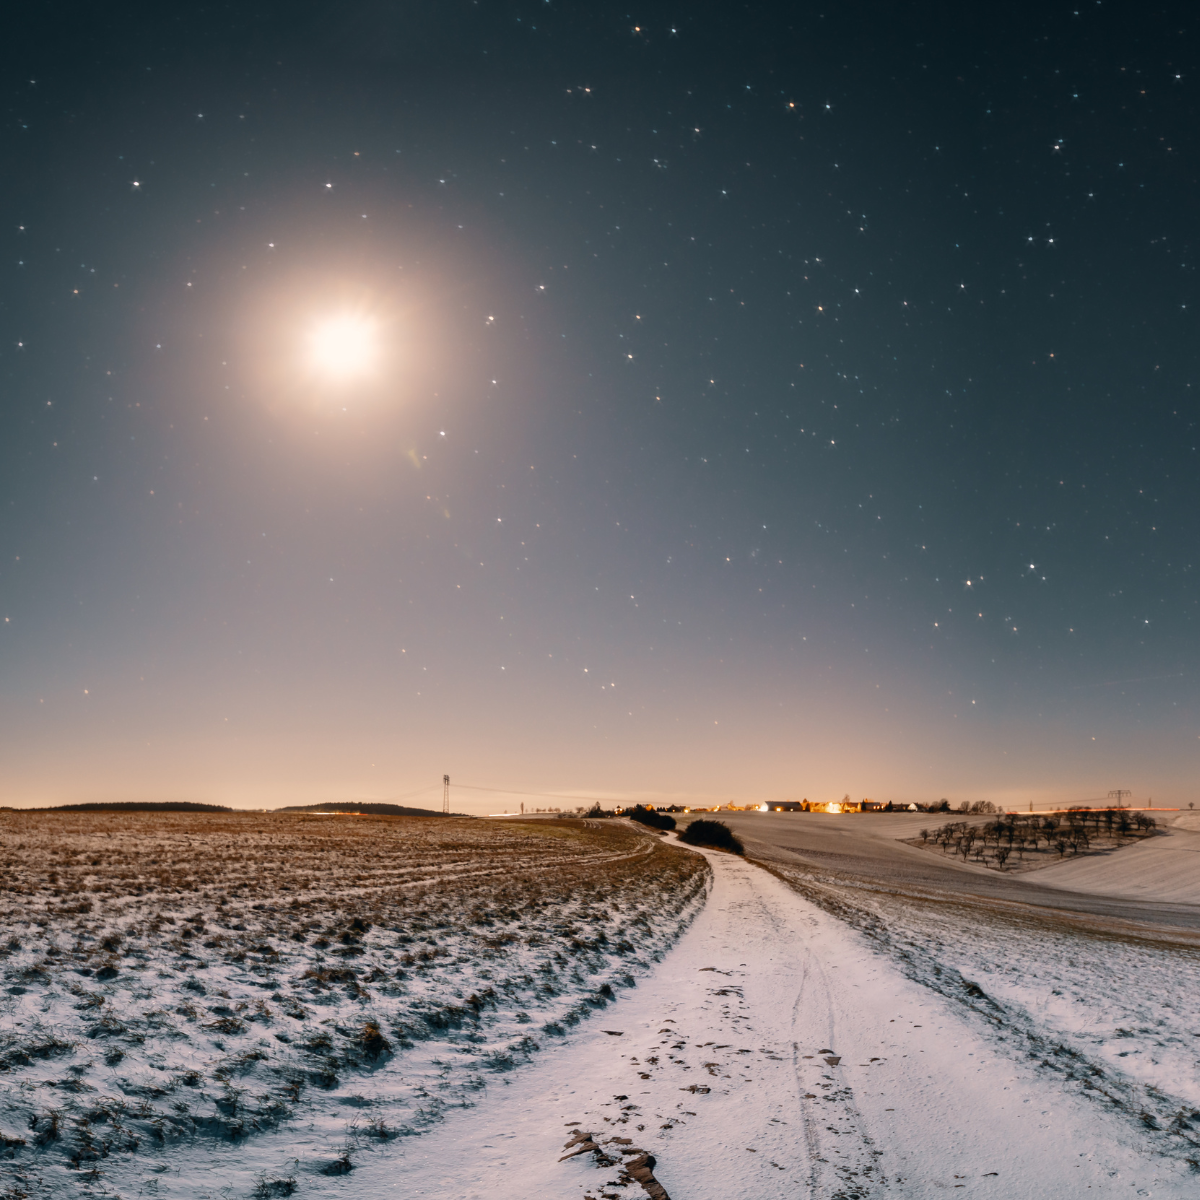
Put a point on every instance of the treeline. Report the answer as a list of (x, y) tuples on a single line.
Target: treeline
[(643, 814), (1073, 832), (715, 834), (937, 806), (656, 818)]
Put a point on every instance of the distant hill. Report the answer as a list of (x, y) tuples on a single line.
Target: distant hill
[(371, 810), (134, 806)]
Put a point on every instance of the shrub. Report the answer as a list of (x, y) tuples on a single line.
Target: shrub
[(712, 833), (643, 814)]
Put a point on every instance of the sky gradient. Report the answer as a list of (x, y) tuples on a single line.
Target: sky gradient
[(770, 404)]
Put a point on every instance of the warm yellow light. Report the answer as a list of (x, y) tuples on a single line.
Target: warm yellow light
[(343, 347)]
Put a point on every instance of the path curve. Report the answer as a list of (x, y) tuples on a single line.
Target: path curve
[(773, 1053)]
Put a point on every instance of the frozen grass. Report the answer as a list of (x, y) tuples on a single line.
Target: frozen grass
[(188, 982)]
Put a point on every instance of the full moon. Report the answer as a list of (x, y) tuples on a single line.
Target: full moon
[(343, 348)]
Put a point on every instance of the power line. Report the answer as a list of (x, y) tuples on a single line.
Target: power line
[(405, 796), (548, 795)]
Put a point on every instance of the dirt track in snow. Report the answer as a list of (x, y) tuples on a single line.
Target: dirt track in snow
[(829, 1074)]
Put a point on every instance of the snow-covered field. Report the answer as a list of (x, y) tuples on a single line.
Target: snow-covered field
[(202, 1004), (1163, 868), (1115, 1017), (801, 1035)]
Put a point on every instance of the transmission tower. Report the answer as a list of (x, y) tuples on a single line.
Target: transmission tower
[(1120, 794), (446, 793)]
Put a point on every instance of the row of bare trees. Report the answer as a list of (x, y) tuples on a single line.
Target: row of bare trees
[(1072, 832)]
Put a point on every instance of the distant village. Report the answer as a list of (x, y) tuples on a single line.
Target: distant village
[(844, 805)]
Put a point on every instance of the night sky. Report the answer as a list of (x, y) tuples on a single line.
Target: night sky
[(763, 402)]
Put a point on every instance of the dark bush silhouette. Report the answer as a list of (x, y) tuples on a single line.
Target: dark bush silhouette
[(712, 833), (643, 814)]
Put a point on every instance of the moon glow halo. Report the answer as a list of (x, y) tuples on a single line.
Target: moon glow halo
[(343, 348)]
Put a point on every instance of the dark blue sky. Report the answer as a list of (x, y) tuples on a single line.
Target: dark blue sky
[(771, 402)]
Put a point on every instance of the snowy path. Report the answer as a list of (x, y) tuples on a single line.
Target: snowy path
[(828, 1074)]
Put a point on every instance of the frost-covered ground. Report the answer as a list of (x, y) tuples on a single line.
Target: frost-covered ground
[(202, 1004), (780, 1051), (804, 1035), (1112, 1015)]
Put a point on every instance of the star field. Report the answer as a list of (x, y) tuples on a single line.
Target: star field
[(736, 402)]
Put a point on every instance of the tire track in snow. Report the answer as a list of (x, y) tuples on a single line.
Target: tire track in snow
[(1156, 1117), (842, 1154)]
